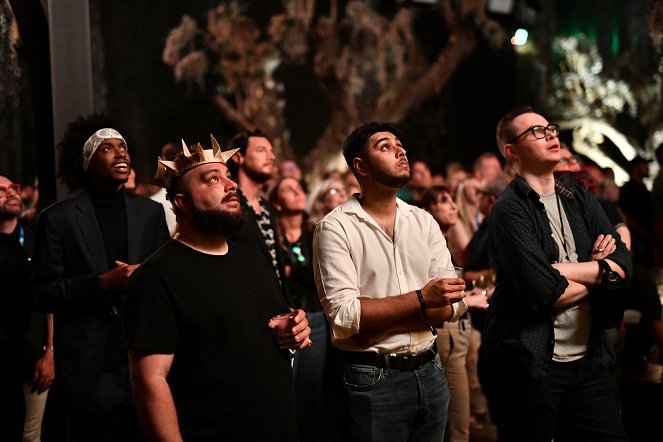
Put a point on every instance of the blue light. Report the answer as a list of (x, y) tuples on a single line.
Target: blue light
[(520, 37)]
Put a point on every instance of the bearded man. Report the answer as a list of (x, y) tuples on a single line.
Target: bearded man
[(376, 260), (205, 361)]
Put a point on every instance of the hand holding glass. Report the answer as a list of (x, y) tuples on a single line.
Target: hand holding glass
[(285, 324), (443, 292)]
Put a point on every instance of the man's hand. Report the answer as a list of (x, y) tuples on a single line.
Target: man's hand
[(477, 298), (44, 372), (117, 278), (295, 337), (441, 292), (603, 246)]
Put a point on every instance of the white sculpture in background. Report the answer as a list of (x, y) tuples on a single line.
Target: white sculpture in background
[(587, 102)]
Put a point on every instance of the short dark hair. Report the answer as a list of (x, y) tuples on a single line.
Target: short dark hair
[(504, 131), (241, 141), (178, 184), (358, 139), (431, 194)]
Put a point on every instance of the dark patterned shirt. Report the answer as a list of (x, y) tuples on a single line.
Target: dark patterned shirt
[(268, 233), (519, 322)]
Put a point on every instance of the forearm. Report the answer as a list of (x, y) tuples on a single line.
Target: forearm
[(586, 273), (574, 294), (386, 313), (413, 323), (156, 409), (49, 329)]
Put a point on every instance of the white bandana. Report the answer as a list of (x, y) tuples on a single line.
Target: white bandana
[(92, 143)]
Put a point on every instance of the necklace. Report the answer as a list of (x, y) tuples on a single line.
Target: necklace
[(561, 225)]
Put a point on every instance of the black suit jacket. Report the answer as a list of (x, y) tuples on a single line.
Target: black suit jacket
[(68, 258)]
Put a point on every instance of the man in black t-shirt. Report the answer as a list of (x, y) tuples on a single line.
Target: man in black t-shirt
[(205, 359)]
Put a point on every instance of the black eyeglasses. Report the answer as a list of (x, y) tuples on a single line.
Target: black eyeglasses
[(16, 188), (539, 131)]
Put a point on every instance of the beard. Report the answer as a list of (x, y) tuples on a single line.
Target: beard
[(217, 221), (394, 181), (259, 176), (7, 214)]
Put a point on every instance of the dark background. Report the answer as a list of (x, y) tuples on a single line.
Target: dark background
[(133, 84)]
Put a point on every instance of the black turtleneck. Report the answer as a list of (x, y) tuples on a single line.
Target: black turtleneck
[(112, 219), (111, 213)]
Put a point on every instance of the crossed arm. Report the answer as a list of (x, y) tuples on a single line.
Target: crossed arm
[(582, 276)]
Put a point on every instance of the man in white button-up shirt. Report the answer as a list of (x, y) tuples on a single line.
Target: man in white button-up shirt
[(375, 262)]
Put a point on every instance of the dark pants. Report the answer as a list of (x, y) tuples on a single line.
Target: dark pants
[(572, 404), (112, 415), (314, 381), (376, 404)]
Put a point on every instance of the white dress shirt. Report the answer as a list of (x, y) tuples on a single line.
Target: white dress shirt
[(353, 257)]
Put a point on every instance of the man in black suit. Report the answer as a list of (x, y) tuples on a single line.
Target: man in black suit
[(252, 167), (86, 248)]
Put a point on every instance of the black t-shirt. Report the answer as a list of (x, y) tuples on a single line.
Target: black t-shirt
[(229, 379)]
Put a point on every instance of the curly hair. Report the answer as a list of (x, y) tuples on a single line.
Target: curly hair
[(70, 162)]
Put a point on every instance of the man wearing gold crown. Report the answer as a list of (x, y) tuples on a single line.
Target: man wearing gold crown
[(205, 361), (86, 247)]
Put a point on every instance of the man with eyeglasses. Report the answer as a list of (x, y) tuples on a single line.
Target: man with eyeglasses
[(36, 351), (14, 311), (544, 362)]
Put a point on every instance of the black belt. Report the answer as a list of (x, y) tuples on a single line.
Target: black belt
[(393, 361)]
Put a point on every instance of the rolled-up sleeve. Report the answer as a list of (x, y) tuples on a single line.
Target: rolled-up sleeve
[(336, 279)]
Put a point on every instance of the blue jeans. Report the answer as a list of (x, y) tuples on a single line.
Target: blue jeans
[(378, 404)]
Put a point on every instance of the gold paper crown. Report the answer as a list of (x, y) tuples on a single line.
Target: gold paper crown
[(187, 160)]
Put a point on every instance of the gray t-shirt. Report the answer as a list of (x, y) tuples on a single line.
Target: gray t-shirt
[(572, 324)]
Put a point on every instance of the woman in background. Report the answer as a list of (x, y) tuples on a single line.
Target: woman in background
[(313, 376), (453, 340), (330, 194)]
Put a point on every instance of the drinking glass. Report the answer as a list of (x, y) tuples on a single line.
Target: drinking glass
[(450, 272)]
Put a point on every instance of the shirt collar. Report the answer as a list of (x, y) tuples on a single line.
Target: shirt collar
[(526, 191), (353, 205)]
